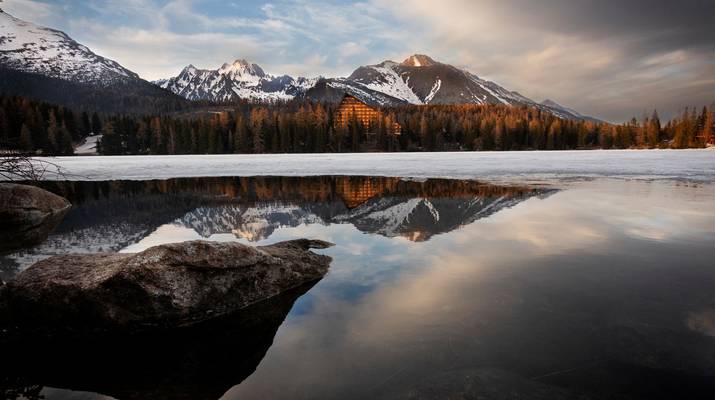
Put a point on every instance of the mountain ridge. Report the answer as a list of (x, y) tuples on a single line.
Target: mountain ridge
[(418, 80), (240, 80), (32, 53)]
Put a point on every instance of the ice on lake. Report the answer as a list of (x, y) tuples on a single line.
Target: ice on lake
[(693, 165)]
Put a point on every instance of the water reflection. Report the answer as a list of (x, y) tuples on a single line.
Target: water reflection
[(601, 290), (111, 216), (192, 363)]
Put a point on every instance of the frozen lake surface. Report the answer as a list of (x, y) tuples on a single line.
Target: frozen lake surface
[(531, 166)]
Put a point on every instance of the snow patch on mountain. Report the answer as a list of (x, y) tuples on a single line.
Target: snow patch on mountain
[(434, 90), (391, 83)]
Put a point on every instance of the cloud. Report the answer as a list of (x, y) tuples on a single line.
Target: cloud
[(613, 60), (39, 11), (160, 53), (350, 49)]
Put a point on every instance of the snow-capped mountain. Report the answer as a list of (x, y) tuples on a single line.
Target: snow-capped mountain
[(31, 48), (47, 64), (236, 81), (421, 80), (417, 80)]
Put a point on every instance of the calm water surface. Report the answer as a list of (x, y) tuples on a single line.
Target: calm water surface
[(598, 289)]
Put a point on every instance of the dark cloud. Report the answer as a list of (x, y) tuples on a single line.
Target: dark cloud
[(614, 59)]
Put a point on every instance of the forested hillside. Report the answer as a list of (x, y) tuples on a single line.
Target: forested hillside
[(303, 127)]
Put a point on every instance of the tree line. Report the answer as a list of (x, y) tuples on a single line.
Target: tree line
[(307, 127), (37, 127), (501, 127), (129, 96)]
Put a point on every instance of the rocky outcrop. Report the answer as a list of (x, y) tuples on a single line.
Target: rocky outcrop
[(27, 215), (165, 286)]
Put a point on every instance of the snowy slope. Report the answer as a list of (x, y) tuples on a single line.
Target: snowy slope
[(386, 78), (89, 146), (27, 47)]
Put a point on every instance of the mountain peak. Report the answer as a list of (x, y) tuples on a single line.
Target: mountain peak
[(241, 67), (419, 60), (241, 62)]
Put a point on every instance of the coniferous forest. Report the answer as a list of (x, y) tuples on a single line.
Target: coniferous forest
[(307, 127)]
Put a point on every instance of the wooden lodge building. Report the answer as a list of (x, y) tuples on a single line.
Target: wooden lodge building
[(350, 107)]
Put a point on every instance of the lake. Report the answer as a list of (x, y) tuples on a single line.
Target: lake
[(587, 287)]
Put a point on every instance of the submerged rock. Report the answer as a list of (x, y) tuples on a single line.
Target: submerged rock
[(164, 286), (27, 215)]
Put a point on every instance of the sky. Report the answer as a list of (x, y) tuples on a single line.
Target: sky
[(609, 59)]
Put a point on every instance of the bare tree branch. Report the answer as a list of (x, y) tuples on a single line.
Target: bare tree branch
[(21, 166)]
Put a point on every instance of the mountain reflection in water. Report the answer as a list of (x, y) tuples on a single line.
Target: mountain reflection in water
[(600, 290), (112, 215)]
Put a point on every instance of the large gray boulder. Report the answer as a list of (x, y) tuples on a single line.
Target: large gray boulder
[(164, 286), (27, 215)]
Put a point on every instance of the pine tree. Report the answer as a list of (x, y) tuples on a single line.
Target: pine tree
[(26, 139), (653, 130), (709, 125), (52, 133), (425, 136), (240, 138), (64, 141), (155, 131), (96, 124), (110, 143), (85, 124)]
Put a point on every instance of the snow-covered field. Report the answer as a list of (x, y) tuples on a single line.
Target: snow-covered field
[(691, 165), (89, 147)]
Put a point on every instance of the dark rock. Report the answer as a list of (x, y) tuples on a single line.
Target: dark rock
[(27, 215), (165, 286), (200, 362)]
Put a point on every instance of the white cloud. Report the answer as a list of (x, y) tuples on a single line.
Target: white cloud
[(31, 10)]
